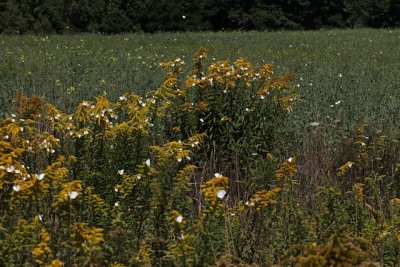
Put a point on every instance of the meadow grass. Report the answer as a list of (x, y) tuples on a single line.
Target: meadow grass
[(344, 77), (204, 162), (359, 68)]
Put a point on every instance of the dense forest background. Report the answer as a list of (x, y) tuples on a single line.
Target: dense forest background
[(118, 16)]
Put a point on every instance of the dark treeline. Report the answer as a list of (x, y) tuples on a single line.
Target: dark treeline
[(116, 16)]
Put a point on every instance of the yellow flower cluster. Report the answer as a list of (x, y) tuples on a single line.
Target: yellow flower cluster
[(55, 263), (52, 162), (359, 192), (199, 56), (42, 251), (87, 238), (175, 150), (287, 170), (345, 168), (143, 257), (214, 190), (264, 198), (69, 192)]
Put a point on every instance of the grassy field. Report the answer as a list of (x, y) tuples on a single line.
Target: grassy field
[(359, 68), (201, 162)]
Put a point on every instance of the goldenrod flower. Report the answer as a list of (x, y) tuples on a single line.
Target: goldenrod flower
[(202, 106)]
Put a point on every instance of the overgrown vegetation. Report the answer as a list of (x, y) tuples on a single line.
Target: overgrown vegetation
[(345, 67), (199, 171)]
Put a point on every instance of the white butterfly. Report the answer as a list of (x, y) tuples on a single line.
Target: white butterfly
[(11, 168), (179, 219), (221, 193), (40, 176), (72, 194), (16, 188)]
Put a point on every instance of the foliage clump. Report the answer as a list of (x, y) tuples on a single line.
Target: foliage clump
[(191, 174), (341, 249)]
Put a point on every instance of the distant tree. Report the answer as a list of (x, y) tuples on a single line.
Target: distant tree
[(370, 13), (239, 14), (134, 11), (205, 13), (332, 13), (218, 14), (196, 14), (48, 16), (321, 13), (115, 19), (86, 15), (176, 15), (272, 15), (394, 13), (116, 16), (8, 10), (15, 17), (162, 15), (148, 15)]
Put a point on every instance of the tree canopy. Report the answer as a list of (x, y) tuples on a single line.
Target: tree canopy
[(118, 16)]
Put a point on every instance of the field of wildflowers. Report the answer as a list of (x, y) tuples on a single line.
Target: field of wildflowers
[(111, 158)]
